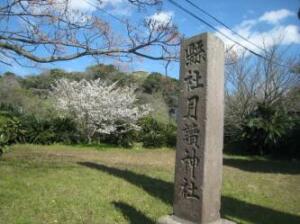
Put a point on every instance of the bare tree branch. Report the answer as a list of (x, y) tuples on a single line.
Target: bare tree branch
[(254, 80), (51, 31)]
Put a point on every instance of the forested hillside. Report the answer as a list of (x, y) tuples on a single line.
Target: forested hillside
[(30, 93), (29, 113)]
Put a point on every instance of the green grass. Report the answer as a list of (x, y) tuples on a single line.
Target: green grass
[(106, 185)]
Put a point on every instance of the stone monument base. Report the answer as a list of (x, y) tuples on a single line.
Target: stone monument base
[(171, 219)]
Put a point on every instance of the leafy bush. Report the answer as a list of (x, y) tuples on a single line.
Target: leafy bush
[(123, 135), (65, 130), (156, 134), (171, 134), (10, 131), (3, 141), (7, 109), (55, 130), (125, 139), (264, 129), (290, 144), (37, 130), (151, 133)]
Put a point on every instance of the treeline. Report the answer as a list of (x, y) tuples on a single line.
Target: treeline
[(28, 113), (261, 108), (262, 104)]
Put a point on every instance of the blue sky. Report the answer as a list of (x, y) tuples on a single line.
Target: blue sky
[(261, 21)]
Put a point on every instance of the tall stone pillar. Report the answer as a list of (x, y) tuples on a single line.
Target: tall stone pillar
[(199, 152)]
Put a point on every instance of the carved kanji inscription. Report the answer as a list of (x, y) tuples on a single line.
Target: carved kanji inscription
[(195, 53)]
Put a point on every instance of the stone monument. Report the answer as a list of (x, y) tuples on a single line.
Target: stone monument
[(198, 170)]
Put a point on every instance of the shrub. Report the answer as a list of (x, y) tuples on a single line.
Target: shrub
[(151, 133), (156, 134), (65, 130), (122, 136), (9, 110), (125, 139), (11, 130), (264, 129), (40, 131), (171, 134), (290, 144)]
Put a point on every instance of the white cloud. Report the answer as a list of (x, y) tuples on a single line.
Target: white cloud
[(277, 34), (82, 5), (111, 2), (75, 5), (275, 16), (162, 18), (118, 7), (122, 10), (89, 5)]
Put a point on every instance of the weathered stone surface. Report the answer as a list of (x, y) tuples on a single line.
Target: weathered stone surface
[(198, 170), (169, 219), (225, 221)]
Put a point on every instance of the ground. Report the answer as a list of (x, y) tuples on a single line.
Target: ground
[(105, 185)]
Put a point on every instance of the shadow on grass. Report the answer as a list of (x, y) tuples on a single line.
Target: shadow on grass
[(234, 208), (132, 214), (156, 187), (231, 207), (264, 166)]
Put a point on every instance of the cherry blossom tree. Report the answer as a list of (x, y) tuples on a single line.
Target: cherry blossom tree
[(98, 106), (44, 31)]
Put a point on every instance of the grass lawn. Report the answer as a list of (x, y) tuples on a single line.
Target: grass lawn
[(104, 185)]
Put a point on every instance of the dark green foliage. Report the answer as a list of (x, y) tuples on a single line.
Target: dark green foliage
[(124, 136), (171, 134), (37, 131), (101, 70), (108, 73), (156, 134), (264, 129), (50, 131), (43, 81), (290, 144), (155, 82), (9, 110), (29, 129), (66, 130), (152, 83), (124, 139), (8, 74), (151, 134), (11, 131)]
